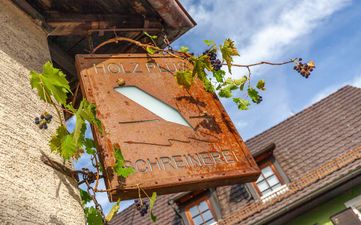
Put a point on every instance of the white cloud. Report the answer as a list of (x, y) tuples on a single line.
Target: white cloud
[(286, 26), (262, 30)]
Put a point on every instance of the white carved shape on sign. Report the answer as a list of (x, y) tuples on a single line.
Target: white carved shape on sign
[(152, 104)]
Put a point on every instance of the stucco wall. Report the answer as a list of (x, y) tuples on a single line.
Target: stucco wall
[(30, 191)]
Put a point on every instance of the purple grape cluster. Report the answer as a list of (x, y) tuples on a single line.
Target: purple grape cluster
[(142, 207), (304, 69), (216, 63), (43, 121)]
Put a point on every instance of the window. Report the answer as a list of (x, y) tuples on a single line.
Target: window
[(269, 180), (355, 205), (200, 212)]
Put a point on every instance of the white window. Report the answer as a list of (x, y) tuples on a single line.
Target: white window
[(268, 181), (200, 213)]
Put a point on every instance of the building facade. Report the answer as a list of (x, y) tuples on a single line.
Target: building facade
[(32, 33), (311, 165)]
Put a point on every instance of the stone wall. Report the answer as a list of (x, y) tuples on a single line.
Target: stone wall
[(30, 191)]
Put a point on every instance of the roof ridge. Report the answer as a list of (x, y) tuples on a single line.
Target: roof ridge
[(314, 105)]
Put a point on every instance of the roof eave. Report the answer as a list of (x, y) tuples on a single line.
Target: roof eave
[(175, 17), (310, 197)]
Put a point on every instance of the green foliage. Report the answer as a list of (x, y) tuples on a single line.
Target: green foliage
[(261, 85), (57, 139), (113, 211), (209, 42), (151, 206), (241, 103), (89, 146), (50, 83), (228, 50), (184, 49), (241, 82), (85, 197), (184, 78), (208, 86), (226, 92), (93, 216), (119, 167), (152, 37), (219, 75), (68, 147), (254, 95), (151, 50), (53, 88), (202, 64)]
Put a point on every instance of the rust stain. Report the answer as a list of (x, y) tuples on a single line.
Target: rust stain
[(168, 157)]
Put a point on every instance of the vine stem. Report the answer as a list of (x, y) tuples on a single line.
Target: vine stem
[(98, 173), (52, 103), (144, 46), (261, 63), (139, 195)]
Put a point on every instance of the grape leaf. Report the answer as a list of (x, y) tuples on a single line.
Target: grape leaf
[(226, 92), (36, 83), (184, 49), (228, 50), (89, 146), (209, 42), (261, 85), (119, 167), (51, 82), (241, 81), (151, 206), (113, 211), (241, 86), (79, 130), (228, 81), (68, 147), (208, 86), (57, 139), (93, 216), (87, 111), (85, 197), (241, 103), (219, 75), (253, 94), (201, 64), (184, 78)]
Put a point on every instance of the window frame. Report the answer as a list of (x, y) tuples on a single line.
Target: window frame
[(262, 165), (204, 198), (355, 204)]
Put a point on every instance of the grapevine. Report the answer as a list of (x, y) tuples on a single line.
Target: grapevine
[(53, 88)]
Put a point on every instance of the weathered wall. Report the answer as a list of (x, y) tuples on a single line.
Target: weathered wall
[(30, 191)]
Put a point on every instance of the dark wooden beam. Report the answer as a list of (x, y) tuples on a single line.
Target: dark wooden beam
[(64, 59), (81, 24), (32, 12)]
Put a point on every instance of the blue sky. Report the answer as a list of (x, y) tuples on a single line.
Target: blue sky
[(327, 31)]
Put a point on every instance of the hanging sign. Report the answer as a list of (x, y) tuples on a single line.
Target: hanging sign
[(175, 139)]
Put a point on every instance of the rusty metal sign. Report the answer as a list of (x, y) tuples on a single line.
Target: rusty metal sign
[(176, 139)]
